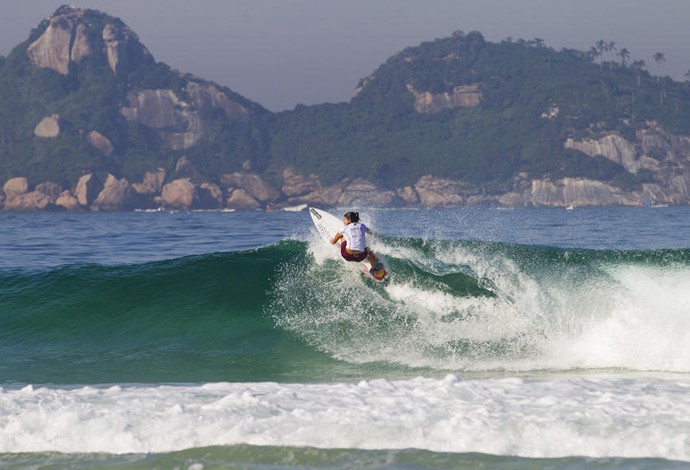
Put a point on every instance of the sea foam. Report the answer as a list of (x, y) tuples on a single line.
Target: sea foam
[(596, 416), (529, 309)]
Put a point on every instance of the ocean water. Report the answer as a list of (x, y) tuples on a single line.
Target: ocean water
[(508, 339)]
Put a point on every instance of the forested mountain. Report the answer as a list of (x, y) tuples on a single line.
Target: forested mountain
[(465, 108), (501, 122), (107, 105)]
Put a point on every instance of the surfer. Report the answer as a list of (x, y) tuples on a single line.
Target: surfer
[(353, 247)]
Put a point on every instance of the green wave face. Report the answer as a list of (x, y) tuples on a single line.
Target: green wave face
[(295, 312), (197, 318)]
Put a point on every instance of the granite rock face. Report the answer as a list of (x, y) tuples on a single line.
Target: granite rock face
[(101, 142), (53, 49), (206, 96), (17, 197), (408, 195), (252, 184), (15, 187), (87, 190), (50, 189), (573, 192), (461, 96), (175, 120), (67, 201), (662, 158), (152, 183), (613, 147), (69, 37), (438, 192), (177, 117), (296, 186), (362, 193), (241, 199), (45, 196), (116, 195), (250, 192), (33, 201), (122, 47), (179, 194), (665, 156), (49, 127)]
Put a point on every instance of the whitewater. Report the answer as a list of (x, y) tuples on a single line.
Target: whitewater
[(199, 340), (598, 417)]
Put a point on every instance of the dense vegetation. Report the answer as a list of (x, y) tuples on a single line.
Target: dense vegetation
[(380, 136), (90, 97), (377, 135)]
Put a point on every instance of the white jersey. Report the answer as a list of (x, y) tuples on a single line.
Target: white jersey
[(355, 235)]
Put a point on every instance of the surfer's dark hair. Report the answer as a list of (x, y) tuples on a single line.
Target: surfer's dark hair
[(352, 216)]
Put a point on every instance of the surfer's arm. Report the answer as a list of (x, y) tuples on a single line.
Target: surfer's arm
[(335, 238)]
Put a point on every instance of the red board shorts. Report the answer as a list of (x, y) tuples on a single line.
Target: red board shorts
[(352, 256)]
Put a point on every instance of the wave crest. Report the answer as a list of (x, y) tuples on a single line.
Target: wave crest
[(488, 306)]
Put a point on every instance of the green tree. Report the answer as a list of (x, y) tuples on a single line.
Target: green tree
[(637, 67), (610, 47), (593, 53), (538, 42), (660, 58), (601, 46)]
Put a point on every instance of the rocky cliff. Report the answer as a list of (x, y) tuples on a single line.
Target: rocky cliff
[(68, 39), (459, 97), (90, 121), (664, 157), (176, 116), (249, 191), (97, 101)]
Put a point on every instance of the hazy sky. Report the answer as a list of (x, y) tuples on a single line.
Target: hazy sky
[(281, 53)]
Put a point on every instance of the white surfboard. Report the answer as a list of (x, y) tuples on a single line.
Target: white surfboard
[(328, 225)]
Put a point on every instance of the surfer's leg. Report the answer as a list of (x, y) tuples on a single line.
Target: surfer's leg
[(343, 250), (371, 257)]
